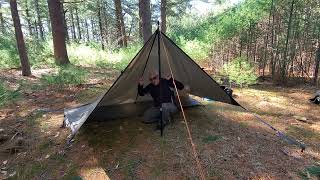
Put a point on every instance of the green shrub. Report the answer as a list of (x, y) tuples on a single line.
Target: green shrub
[(6, 95), (82, 55), (67, 75), (196, 49), (90, 55), (9, 57), (39, 53), (240, 71)]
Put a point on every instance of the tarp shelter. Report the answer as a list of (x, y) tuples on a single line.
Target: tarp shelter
[(122, 99)]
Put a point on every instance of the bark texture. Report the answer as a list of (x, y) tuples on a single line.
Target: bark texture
[(163, 10), (145, 19), (58, 32), (26, 71), (122, 38)]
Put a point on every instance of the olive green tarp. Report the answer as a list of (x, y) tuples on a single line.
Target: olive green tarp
[(122, 100)]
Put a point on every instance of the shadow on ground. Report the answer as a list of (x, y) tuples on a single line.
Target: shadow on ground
[(231, 143), (232, 146)]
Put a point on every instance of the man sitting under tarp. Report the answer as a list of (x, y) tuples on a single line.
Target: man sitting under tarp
[(166, 101), (316, 98)]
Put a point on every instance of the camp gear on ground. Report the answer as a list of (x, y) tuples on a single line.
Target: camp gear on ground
[(316, 98)]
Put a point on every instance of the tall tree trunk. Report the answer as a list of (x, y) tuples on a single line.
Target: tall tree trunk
[(120, 24), (145, 19), (140, 29), (240, 50), (273, 53), (65, 24), (87, 29), (100, 26), (36, 28), (3, 30), (36, 2), (73, 30), (106, 35), (285, 60), (48, 23), (265, 57), (301, 58), (58, 34), (26, 71), (317, 61), (131, 26), (277, 47), (93, 29), (78, 24), (163, 10), (28, 19)]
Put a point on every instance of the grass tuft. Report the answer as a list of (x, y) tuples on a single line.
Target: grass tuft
[(32, 119), (302, 132), (67, 75), (7, 95), (43, 146), (31, 170), (59, 158), (211, 138)]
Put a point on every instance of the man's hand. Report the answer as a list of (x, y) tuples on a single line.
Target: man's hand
[(141, 81)]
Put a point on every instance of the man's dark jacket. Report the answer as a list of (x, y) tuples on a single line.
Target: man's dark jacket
[(163, 87)]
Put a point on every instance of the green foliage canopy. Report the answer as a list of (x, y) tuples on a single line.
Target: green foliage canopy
[(240, 71)]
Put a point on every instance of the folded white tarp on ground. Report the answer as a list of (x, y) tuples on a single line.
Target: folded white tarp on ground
[(75, 117)]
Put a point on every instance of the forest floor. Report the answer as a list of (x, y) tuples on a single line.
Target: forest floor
[(231, 143)]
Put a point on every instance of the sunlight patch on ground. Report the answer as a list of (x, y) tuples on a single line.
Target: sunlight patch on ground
[(255, 92), (265, 95), (267, 106), (315, 154), (96, 173), (316, 126), (263, 177), (51, 121), (226, 137), (39, 72)]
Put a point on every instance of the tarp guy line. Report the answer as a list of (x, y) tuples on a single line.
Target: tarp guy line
[(194, 150), (278, 133)]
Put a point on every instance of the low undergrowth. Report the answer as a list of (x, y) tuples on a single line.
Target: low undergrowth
[(7, 95), (67, 75), (40, 54)]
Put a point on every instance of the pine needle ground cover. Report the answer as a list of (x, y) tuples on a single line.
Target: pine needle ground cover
[(230, 142)]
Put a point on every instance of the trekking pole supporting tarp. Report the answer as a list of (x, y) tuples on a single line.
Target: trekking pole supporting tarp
[(278, 133), (234, 102), (161, 120)]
